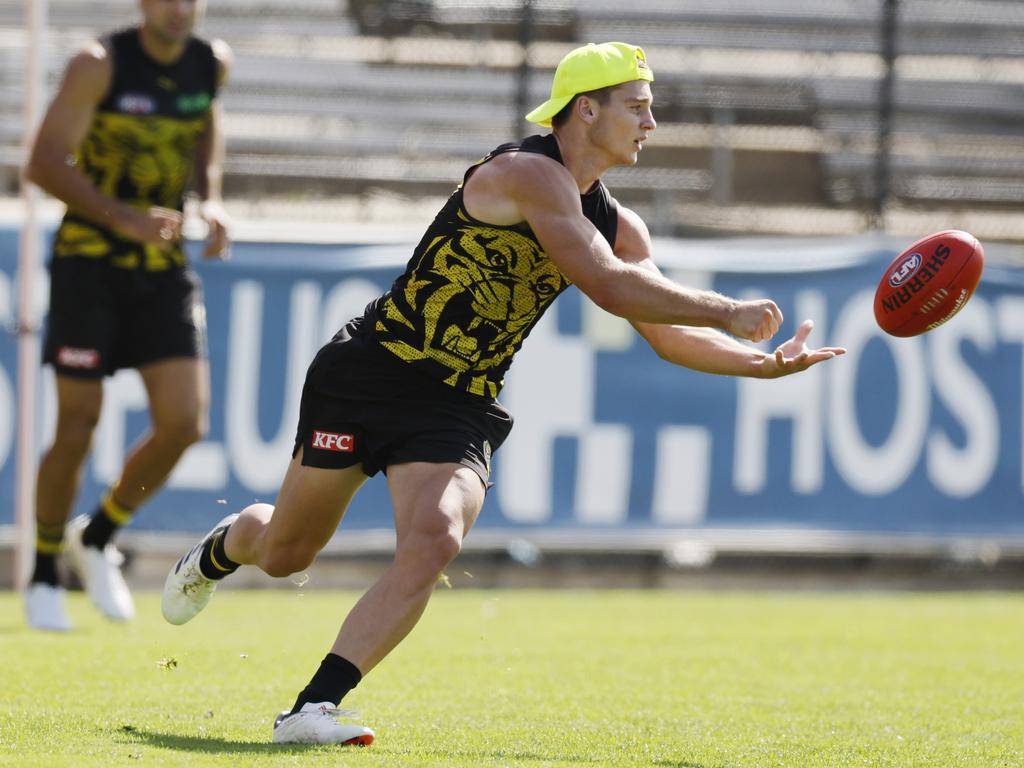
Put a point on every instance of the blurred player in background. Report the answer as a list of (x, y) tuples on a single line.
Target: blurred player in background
[(134, 122), (410, 387)]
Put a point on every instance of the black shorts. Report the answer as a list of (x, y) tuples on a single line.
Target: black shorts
[(362, 405), (103, 318)]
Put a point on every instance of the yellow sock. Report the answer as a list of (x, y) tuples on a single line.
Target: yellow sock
[(49, 539), (115, 512)]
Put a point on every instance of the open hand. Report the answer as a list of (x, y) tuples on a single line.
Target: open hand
[(794, 355)]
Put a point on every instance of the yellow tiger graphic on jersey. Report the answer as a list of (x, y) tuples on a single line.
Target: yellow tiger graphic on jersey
[(478, 291), (143, 161)]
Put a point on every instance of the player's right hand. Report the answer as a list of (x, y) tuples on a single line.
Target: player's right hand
[(160, 227), (755, 320)]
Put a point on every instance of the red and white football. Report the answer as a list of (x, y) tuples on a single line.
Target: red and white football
[(928, 283)]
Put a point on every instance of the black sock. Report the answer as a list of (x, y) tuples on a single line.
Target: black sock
[(45, 571), (336, 677), (214, 562), (49, 542), (106, 520)]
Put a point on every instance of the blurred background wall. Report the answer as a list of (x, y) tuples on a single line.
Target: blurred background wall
[(800, 146), (772, 113)]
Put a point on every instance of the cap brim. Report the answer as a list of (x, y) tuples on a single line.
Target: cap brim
[(542, 115)]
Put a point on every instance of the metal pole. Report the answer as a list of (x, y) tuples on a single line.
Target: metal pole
[(526, 32), (883, 171), (27, 313), (722, 161)]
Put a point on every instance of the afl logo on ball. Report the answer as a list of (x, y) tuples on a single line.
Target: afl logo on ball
[(906, 269)]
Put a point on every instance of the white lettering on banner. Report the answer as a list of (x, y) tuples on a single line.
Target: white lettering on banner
[(682, 476), (7, 404), (257, 463), (606, 332), (6, 305), (601, 491), (40, 295), (799, 399), (346, 300), (1010, 325), (551, 393), (7, 416), (203, 467), (46, 394), (961, 472), (871, 470)]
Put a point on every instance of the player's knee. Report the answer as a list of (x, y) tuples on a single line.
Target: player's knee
[(431, 552), (182, 431), (447, 547), (284, 561), (75, 429)]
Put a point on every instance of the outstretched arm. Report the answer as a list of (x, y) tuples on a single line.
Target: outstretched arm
[(524, 186), (705, 349), (709, 351)]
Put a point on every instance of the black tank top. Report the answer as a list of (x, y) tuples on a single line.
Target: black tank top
[(140, 145), (473, 291)]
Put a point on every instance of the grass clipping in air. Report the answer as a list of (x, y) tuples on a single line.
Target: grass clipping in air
[(668, 679)]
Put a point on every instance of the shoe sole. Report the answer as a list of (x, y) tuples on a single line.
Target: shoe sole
[(359, 741)]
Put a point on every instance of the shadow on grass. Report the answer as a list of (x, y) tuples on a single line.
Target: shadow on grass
[(488, 757), (129, 735), (209, 744), (507, 754), (213, 745)]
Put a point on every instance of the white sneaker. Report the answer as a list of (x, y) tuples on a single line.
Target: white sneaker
[(44, 608), (318, 724), (99, 570), (186, 590)]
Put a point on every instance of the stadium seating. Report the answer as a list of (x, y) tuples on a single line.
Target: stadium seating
[(329, 99)]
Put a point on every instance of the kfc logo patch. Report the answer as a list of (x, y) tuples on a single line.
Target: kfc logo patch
[(332, 441), (73, 357)]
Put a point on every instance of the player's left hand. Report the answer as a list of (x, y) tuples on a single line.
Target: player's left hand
[(794, 355), (218, 243)]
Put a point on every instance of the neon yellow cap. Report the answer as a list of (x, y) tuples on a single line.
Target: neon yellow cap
[(594, 66)]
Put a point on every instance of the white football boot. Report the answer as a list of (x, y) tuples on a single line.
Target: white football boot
[(99, 570), (187, 590), (45, 609), (318, 724)]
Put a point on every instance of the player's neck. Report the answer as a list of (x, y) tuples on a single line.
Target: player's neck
[(157, 48), (584, 166)]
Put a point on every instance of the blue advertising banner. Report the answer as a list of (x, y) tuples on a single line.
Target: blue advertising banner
[(919, 435)]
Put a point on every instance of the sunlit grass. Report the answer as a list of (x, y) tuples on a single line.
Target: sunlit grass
[(554, 678)]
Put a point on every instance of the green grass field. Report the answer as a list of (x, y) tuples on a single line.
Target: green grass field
[(670, 679)]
